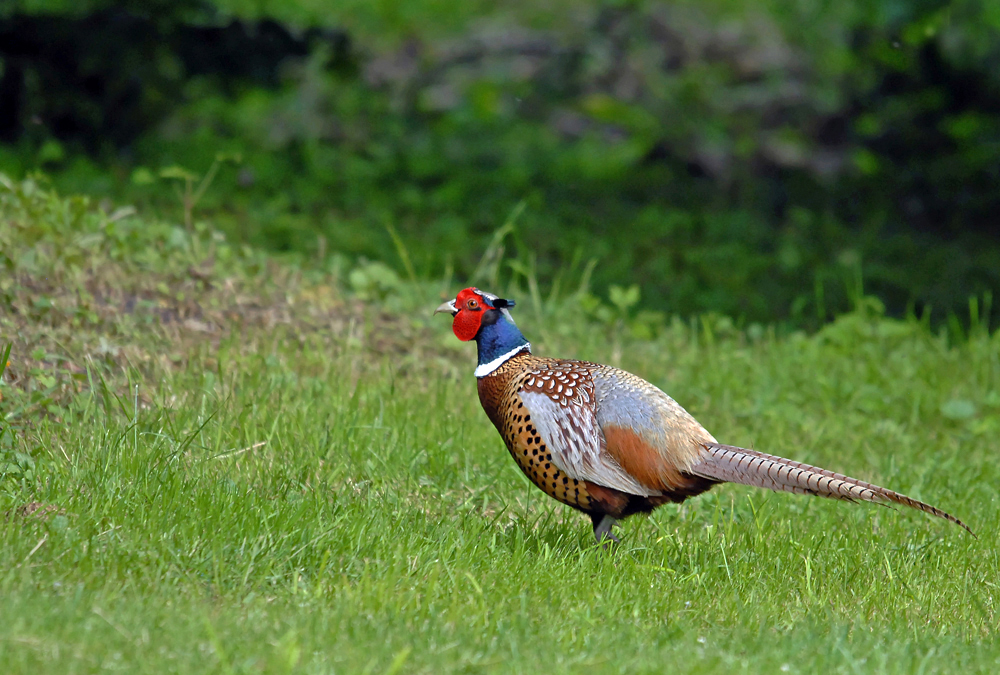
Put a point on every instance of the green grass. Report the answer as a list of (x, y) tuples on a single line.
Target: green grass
[(253, 471)]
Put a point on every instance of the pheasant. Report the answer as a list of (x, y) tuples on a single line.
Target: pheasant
[(610, 444)]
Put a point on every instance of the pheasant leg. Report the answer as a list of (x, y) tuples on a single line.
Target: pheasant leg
[(602, 529)]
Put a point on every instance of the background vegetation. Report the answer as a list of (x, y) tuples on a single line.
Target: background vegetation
[(232, 438), (759, 160), (211, 461)]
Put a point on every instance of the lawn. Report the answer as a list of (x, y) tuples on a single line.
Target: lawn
[(213, 460)]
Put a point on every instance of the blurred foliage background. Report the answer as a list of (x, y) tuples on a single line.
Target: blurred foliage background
[(771, 161)]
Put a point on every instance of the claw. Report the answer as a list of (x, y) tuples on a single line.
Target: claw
[(602, 530)]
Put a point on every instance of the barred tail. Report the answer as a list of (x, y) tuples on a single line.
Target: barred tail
[(749, 467)]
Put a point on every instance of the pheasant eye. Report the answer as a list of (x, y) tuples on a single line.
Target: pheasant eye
[(473, 304)]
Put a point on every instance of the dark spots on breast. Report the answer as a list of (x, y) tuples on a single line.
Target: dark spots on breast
[(527, 418), (565, 480), (534, 452), (547, 465)]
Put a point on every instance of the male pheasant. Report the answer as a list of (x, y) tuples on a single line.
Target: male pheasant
[(609, 443)]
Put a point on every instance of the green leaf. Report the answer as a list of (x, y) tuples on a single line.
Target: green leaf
[(624, 299), (5, 358), (143, 176), (177, 172), (958, 409)]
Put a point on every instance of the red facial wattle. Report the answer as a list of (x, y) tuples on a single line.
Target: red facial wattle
[(469, 318), (466, 324)]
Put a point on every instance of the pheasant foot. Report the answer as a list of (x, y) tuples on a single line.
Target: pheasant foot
[(602, 530)]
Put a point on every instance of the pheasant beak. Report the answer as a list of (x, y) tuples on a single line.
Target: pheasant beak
[(447, 307)]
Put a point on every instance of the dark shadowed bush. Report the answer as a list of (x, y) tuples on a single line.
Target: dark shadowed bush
[(769, 162)]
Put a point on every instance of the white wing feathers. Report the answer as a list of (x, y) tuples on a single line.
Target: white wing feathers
[(573, 436)]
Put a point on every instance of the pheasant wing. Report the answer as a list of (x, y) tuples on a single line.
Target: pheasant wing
[(648, 434), (561, 408)]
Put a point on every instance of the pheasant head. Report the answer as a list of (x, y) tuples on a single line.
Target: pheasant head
[(485, 318)]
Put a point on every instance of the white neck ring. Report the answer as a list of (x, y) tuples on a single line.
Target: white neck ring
[(485, 369)]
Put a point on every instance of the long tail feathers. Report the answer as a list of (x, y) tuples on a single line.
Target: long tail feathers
[(749, 467)]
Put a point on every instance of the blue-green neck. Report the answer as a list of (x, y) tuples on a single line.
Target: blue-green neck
[(498, 340)]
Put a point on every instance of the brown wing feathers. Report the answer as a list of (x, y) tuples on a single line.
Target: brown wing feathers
[(757, 469)]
